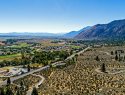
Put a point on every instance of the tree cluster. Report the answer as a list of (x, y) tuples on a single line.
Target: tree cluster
[(44, 57), (63, 54), (16, 62)]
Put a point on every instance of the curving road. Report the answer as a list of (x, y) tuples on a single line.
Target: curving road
[(37, 84), (97, 70), (17, 77), (105, 52)]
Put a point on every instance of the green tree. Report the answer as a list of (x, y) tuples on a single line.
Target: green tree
[(2, 92), (120, 59), (116, 52), (22, 53), (24, 66), (28, 67), (34, 92), (8, 81), (2, 64), (9, 91), (63, 54), (15, 87), (21, 83), (27, 87), (18, 93), (76, 55), (111, 52), (76, 58), (124, 57), (71, 52), (103, 67), (97, 58), (116, 57), (21, 92)]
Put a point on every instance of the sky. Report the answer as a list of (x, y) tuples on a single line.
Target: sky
[(57, 16)]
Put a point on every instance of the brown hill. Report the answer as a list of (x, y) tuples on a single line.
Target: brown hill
[(114, 29)]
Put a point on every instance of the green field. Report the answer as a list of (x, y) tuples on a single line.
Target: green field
[(50, 44), (10, 56), (33, 50), (73, 46), (22, 45), (73, 53), (10, 66)]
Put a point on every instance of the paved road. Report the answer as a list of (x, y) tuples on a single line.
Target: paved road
[(17, 77), (70, 57)]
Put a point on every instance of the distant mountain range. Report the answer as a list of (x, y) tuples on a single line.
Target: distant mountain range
[(25, 34), (16, 34), (114, 29), (74, 33)]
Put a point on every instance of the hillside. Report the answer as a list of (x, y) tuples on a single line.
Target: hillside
[(74, 33), (114, 29)]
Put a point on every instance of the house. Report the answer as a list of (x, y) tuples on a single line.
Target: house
[(1, 53), (97, 46), (120, 51)]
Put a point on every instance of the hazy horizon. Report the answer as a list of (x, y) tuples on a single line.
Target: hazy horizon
[(57, 16)]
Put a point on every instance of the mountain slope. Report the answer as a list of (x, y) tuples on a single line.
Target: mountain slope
[(74, 33), (114, 29)]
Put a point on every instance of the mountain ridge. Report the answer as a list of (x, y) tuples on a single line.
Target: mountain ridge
[(30, 34), (113, 29)]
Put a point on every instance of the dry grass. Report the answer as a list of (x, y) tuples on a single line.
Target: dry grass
[(3, 78), (12, 87), (2, 43), (81, 77), (28, 80), (36, 64)]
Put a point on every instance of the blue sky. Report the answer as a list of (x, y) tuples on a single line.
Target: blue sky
[(57, 16)]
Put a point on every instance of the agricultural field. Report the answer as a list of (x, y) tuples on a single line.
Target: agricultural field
[(9, 59), (73, 46), (10, 56), (22, 45), (83, 78)]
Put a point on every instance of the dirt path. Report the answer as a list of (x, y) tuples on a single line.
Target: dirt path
[(104, 52), (37, 84), (97, 70), (41, 81)]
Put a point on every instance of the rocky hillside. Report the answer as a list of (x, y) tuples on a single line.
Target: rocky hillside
[(114, 29), (74, 33)]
